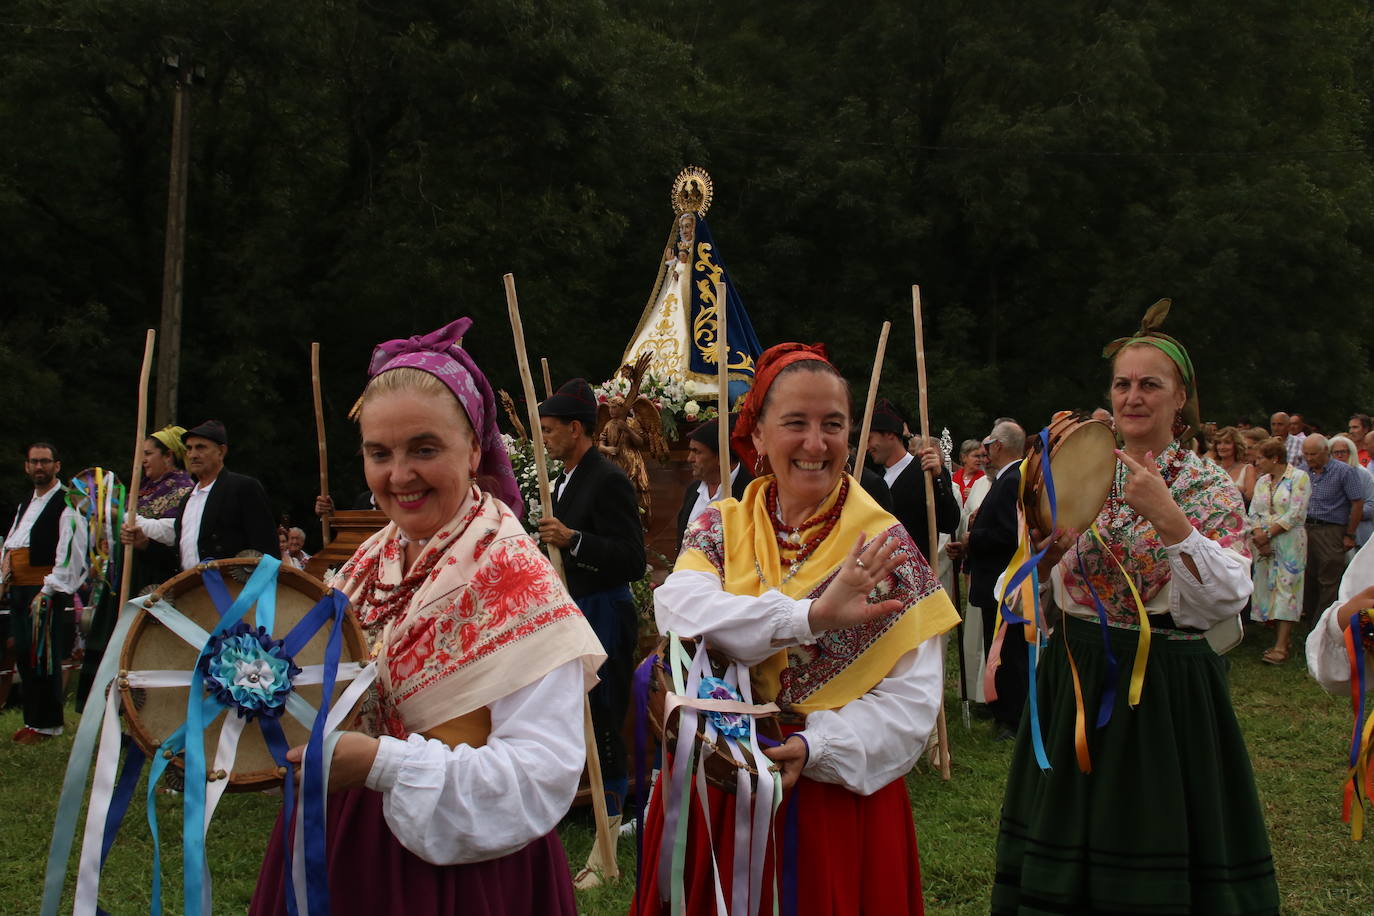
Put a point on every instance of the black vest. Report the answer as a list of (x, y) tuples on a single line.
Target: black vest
[(43, 537)]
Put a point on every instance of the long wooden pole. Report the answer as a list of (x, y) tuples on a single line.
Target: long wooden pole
[(126, 573), (872, 397), (548, 379), (722, 388), (603, 824), (941, 729), (319, 436)]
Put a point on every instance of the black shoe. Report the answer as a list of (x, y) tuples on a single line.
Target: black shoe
[(1006, 734)]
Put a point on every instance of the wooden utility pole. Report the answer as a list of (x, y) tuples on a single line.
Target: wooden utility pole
[(174, 250)]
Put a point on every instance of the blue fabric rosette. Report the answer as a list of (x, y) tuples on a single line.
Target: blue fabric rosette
[(246, 670)]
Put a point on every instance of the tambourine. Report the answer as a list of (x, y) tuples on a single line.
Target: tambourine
[(722, 766), (246, 670), (1083, 462)]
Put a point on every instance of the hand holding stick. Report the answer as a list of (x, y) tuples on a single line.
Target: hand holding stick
[(126, 574), (941, 730), (610, 871)]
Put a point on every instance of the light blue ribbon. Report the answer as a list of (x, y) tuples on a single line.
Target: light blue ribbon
[(195, 875)]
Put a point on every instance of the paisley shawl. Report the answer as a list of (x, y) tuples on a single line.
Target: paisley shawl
[(735, 541)]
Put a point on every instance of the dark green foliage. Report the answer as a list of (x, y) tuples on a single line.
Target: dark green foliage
[(365, 170)]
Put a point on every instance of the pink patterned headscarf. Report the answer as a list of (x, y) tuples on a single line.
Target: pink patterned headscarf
[(441, 354)]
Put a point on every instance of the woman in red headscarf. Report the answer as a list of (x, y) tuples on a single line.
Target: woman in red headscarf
[(828, 601)]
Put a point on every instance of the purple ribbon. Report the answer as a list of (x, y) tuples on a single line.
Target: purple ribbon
[(440, 354)]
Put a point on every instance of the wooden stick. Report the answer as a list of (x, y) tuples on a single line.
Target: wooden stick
[(941, 729), (319, 436), (872, 398), (126, 573), (722, 388), (603, 824), (548, 379)]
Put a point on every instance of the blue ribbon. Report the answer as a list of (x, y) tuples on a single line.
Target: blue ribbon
[(1108, 701), (134, 758), (277, 747), (263, 580), (790, 842), (1027, 569), (313, 777)]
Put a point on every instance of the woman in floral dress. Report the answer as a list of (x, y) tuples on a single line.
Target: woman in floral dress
[(1276, 523)]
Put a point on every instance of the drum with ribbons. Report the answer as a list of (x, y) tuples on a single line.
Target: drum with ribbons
[(1082, 462), (218, 672)]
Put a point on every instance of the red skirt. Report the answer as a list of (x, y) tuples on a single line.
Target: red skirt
[(371, 873), (855, 854)]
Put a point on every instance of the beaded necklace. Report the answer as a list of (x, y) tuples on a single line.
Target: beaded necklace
[(1120, 516), (791, 537), (382, 600)]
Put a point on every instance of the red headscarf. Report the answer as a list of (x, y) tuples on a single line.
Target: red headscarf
[(771, 362)]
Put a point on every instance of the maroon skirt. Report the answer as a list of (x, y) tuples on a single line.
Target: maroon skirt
[(371, 872)]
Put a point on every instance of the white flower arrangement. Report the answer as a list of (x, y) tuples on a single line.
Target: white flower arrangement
[(669, 396), (527, 477)]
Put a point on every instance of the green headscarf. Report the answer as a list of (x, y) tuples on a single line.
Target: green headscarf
[(1149, 333)]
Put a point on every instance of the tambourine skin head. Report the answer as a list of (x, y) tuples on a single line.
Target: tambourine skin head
[(1083, 462), (151, 646)]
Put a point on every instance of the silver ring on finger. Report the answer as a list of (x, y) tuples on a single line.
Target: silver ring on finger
[(860, 564)]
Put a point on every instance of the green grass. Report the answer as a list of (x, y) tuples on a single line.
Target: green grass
[(1296, 734)]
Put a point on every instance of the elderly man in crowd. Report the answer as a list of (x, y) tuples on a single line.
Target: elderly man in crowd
[(1280, 424), (1333, 514)]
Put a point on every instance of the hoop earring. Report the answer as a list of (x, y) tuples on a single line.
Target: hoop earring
[(758, 465)]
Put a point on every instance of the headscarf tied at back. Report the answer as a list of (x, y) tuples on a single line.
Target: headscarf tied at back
[(1178, 354), (771, 362), (440, 354), (171, 438)]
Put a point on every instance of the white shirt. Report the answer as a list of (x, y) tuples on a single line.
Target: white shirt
[(163, 530), (865, 744), (69, 566), (704, 499), (892, 472), (23, 527), (471, 804), (1195, 603), (1327, 661)]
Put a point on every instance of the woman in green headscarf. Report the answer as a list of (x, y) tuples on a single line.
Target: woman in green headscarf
[(1149, 805)]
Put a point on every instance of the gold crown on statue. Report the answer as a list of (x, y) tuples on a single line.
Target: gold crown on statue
[(692, 191)]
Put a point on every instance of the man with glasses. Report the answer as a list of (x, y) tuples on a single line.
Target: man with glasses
[(43, 565)]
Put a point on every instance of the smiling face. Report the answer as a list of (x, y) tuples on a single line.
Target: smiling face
[(885, 448), (1146, 396), (419, 457), (1226, 449), (804, 434)]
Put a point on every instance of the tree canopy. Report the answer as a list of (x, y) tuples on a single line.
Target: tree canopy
[(361, 171)]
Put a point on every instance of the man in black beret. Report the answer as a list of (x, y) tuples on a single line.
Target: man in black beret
[(595, 523), (705, 463), (905, 477), (227, 514)]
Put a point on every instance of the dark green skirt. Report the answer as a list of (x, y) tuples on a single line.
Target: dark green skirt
[(1168, 821)]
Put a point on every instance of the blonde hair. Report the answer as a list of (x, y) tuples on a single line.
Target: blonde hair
[(409, 380)]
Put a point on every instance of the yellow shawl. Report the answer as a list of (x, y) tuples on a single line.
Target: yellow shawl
[(735, 541)]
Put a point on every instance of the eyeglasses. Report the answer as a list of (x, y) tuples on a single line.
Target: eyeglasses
[(39, 461), (990, 442)]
